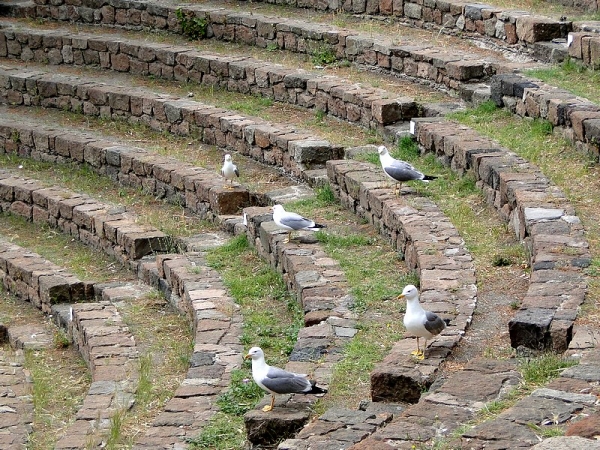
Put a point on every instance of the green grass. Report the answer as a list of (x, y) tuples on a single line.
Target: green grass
[(51, 244), (539, 371), (253, 285), (573, 77), (223, 432)]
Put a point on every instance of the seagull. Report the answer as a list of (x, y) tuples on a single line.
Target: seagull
[(229, 170), (279, 381), (417, 321), (398, 170), (291, 221)]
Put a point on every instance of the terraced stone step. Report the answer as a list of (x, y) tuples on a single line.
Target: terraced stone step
[(197, 189), (109, 349), (16, 397), (438, 64), (540, 215), (199, 292), (544, 38), (281, 145), (577, 118), (102, 226), (34, 279)]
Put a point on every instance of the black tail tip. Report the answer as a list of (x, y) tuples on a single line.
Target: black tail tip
[(430, 177), (447, 321)]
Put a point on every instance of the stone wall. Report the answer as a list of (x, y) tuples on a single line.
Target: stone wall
[(585, 46), (195, 188), (578, 119), (97, 224), (280, 145), (33, 279), (369, 107), (540, 215), (511, 26)]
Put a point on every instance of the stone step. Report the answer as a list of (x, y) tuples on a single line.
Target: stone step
[(282, 145), (578, 119), (105, 227), (109, 349), (34, 279), (200, 190), (16, 399), (541, 216), (376, 49), (199, 292)]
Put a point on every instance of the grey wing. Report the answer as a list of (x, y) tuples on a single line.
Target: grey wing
[(434, 324), (284, 382), (296, 221), (402, 171)]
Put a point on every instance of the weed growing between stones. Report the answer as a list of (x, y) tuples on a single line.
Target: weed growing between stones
[(192, 26), (540, 370)]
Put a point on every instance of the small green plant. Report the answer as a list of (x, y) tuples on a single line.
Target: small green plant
[(540, 370), (223, 432), (501, 261), (61, 339), (115, 430), (515, 305), (272, 47), (325, 194), (143, 393), (243, 394), (192, 26), (547, 431), (323, 55)]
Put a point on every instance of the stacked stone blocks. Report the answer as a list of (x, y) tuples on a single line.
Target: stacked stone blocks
[(541, 217), (510, 26), (198, 189), (579, 119), (270, 143), (100, 225)]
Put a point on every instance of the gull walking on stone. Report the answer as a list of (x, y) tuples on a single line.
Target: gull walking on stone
[(417, 321), (400, 171), (229, 171), (291, 221), (279, 381)]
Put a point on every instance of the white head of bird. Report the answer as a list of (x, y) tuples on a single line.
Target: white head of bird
[(227, 157), (382, 150), (409, 292), (255, 353)]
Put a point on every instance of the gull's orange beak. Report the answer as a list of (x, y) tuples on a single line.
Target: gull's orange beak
[(248, 356), (401, 296)]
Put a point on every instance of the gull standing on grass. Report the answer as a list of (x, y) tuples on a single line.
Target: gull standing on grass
[(400, 171), (291, 221), (229, 171), (279, 381), (417, 321)]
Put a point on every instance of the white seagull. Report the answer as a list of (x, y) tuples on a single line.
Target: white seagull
[(291, 221), (229, 170), (400, 171), (279, 381), (417, 321)]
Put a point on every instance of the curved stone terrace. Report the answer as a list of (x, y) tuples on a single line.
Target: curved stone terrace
[(579, 375), (468, 74), (434, 122)]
